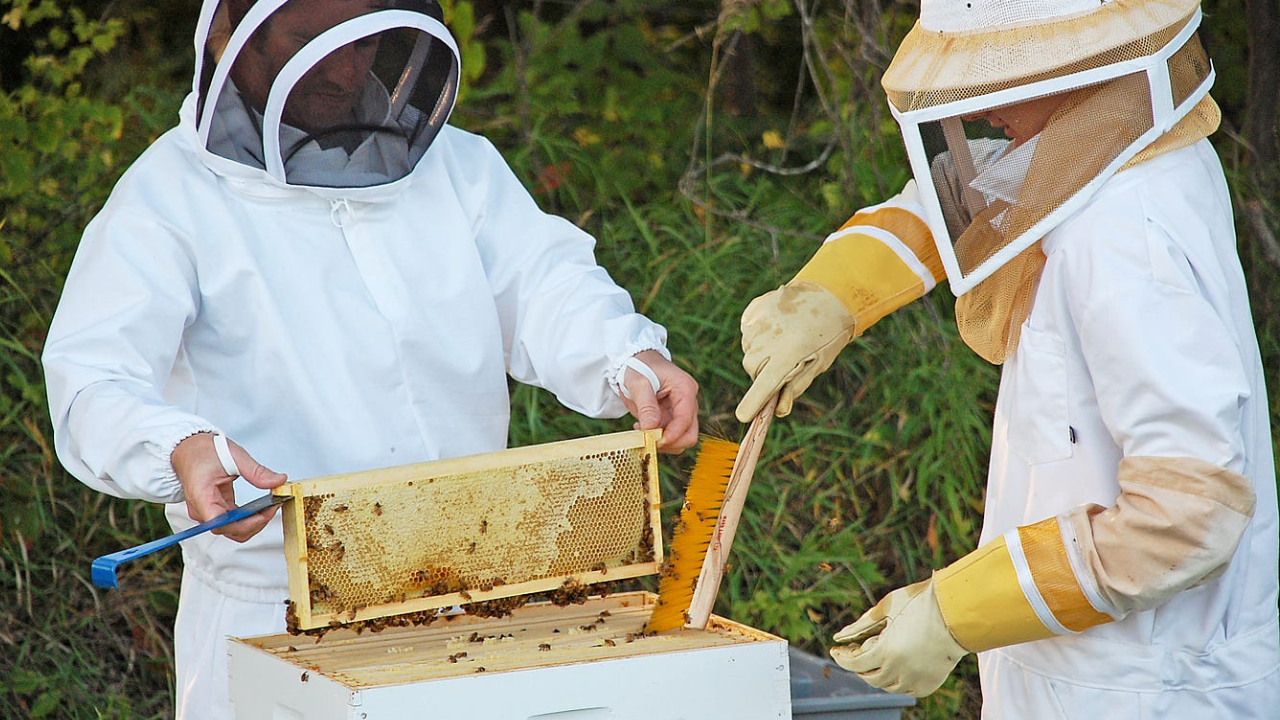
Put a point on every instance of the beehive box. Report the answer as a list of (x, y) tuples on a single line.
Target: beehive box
[(543, 662), (376, 557)]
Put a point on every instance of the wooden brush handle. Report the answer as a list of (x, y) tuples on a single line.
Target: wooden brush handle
[(735, 496)]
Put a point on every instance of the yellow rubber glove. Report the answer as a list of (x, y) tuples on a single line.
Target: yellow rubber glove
[(789, 337), (902, 644)]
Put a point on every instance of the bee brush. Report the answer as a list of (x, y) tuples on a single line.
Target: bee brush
[(700, 542)]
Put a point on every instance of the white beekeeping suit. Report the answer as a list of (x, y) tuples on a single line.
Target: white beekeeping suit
[(1128, 562), (315, 265)]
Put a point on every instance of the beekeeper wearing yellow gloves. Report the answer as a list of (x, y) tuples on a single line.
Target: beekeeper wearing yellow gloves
[(1064, 188)]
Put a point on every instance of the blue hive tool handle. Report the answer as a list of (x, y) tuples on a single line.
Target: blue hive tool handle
[(104, 568)]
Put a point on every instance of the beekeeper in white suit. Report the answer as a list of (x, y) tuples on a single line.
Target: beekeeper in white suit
[(1128, 561), (314, 273)]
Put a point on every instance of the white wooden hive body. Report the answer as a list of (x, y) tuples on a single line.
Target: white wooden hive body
[(538, 664), (394, 542)]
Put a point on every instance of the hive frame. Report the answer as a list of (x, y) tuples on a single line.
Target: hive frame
[(295, 539)]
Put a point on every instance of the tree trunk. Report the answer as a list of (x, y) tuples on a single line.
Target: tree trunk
[(739, 91), (1264, 85), (1263, 17)]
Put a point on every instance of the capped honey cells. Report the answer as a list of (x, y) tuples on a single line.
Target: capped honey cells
[(405, 542)]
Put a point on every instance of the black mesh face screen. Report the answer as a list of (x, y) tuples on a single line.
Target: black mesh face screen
[(328, 93)]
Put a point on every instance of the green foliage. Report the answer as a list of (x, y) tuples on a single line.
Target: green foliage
[(876, 477), (86, 655), (578, 102), (752, 17)]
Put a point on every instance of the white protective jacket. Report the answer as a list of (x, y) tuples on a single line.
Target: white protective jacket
[(326, 331), (1140, 343)]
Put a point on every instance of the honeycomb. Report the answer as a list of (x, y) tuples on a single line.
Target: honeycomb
[(435, 540)]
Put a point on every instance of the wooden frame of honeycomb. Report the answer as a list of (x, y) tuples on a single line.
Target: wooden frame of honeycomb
[(477, 529)]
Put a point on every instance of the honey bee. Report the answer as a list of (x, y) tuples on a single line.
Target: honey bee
[(377, 508), (484, 526), (305, 676), (610, 643), (544, 647)]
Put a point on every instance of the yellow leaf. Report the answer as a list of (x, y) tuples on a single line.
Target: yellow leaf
[(586, 137), (773, 140)]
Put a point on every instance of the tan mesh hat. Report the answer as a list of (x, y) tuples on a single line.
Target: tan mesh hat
[(961, 49), (1108, 77)]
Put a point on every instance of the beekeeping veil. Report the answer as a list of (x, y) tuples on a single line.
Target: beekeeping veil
[(324, 93), (1128, 79)]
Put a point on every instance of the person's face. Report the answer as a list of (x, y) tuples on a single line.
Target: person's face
[(1021, 121), (327, 94)]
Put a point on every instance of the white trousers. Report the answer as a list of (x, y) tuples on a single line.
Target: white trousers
[(206, 617)]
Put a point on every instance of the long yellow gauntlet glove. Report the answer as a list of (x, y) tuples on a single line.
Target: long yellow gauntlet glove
[(882, 259), (1176, 523)]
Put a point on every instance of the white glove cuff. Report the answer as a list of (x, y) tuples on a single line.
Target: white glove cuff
[(224, 455), (638, 365)]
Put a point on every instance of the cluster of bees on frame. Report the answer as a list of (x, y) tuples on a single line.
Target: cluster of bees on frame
[(571, 592), (476, 637), (323, 541)]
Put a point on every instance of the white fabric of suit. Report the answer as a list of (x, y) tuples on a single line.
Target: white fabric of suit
[(1140, 342), (326, 331)]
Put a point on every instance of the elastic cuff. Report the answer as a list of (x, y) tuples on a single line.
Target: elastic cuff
[(620, 366), (169, 476)]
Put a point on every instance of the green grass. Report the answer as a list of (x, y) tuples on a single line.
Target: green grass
[(873, 481)]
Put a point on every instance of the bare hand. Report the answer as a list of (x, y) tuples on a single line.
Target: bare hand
[(674, 408), (209, 488)]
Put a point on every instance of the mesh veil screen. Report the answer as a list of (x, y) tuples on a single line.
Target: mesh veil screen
[(1092, 128)]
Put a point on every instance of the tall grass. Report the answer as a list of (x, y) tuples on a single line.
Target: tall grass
[(875, 479)]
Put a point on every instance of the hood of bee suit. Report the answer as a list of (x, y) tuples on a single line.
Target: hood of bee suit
[(323, 93), (1015, 112)]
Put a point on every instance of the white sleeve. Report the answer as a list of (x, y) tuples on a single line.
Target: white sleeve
[(1171, 384), (112, 346), (567, 326)]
